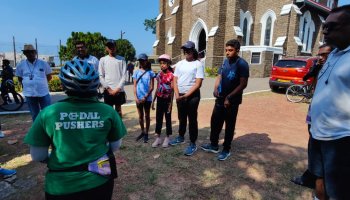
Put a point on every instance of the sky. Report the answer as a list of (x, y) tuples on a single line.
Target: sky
[(50, 21)]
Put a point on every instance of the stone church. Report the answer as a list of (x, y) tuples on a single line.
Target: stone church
[(267, 29)]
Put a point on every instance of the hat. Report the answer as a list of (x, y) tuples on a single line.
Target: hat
[(188, 45), (28, 47), (142, 56), (164, 57), (110, 41)]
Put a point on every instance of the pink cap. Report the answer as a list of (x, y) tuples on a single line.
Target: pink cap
[(164, 57)]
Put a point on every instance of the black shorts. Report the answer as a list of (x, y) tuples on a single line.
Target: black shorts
[(144, 106), (331, 160)]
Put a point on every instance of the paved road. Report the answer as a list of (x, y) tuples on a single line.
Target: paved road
[(254, 84)]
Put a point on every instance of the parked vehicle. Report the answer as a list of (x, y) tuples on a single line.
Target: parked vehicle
[(290, 71)]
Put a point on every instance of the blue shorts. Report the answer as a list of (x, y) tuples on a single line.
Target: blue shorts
[(330, 160)]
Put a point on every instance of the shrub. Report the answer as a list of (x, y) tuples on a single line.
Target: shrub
[(55, 84), (211, 71)]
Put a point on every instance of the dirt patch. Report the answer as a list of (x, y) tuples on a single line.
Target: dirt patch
[(269, 147)]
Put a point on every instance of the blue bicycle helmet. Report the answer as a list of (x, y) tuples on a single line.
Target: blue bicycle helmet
[(79, 76)]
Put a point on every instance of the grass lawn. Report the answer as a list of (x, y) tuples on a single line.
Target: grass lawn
[(269, 148)]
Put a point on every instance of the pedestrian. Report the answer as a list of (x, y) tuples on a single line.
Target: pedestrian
[(143, 87), (34, 75), (83, 133), (112, 72), (164, 96), (130, 69), (308, 179), (188, 77), (7, 75), (329, 145), (232, 79), (83, 54)]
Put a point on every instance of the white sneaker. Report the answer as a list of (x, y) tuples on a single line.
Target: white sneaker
[(166, 142), (157, 142), (1, 134)]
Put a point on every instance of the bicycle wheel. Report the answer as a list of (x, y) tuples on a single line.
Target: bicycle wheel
[(295, 93), (13, 102)]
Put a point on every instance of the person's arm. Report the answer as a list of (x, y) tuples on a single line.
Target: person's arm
[(216, 85), (135, 91), (39, 154), (176, 89), (150, 90), (155, 97), (101, 72), (115, 145), (243, 82), (194, 88), (122, 79), (48, 77)]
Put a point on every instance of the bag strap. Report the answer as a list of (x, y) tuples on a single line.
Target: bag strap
[(141, 76)]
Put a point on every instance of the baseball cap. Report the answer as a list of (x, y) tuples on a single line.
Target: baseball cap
[(188, 45), (142, 56), (110, 41)]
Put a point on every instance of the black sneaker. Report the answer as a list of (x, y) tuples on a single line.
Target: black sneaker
[(210, 148), (140, 136), (145, 138)]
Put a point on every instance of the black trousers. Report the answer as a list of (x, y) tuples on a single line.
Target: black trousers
[(188, 109), (162, 110), (219, 116), (102, 192)]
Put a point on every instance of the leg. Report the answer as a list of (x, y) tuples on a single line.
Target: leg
[(159, 115), (320, 191), (33, 105), (216, 123), (141, 116), (147, 108), (44, 101), (182, 110), (118, 108), (169, 130), (193, 104), (230, 124)]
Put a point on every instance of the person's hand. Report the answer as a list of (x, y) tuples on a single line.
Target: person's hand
[(216, 93), (227, 103), (170, 108), (115, 92), (181, 98)]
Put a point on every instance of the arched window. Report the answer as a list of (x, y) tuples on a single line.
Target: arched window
[(267, 25), (245, 26), (246, 21), (268, 32), (330, 3), (307, 29)]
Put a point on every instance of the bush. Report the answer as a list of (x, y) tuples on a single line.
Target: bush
[(211, 71), (55, 84)]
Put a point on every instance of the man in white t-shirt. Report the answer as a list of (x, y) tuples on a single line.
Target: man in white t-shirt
[(83, 55), (112, 72), (34, 74)]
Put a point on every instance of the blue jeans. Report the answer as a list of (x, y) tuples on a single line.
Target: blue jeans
[(35, 104)]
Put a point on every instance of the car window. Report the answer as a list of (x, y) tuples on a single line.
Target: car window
[(290, 63)]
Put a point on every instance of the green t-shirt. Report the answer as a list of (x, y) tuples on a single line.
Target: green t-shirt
[(78, 130)]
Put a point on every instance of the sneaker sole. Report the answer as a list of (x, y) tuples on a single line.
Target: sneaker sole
[(222, 159), (187, 154), (210, 150), (174, 144)]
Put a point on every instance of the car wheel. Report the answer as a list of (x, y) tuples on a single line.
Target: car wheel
[(274, 88)]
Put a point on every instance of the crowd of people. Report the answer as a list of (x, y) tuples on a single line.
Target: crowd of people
[(78, 136)]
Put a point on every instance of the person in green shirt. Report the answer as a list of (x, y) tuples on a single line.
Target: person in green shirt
[(82, 132)]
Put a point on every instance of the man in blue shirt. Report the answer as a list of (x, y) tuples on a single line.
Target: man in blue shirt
[(232, 79)]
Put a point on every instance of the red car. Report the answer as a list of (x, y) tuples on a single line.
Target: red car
[(289, 71)]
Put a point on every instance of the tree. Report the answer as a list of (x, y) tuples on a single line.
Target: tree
[(150, 24), (94, 43), (125, 49)]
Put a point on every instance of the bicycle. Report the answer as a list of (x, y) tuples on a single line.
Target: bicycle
[(12, 100), (298, 93)]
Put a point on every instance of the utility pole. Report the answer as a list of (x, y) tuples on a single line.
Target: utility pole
[(121, 34), (36, 47), (14, 50), (58, 54)]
